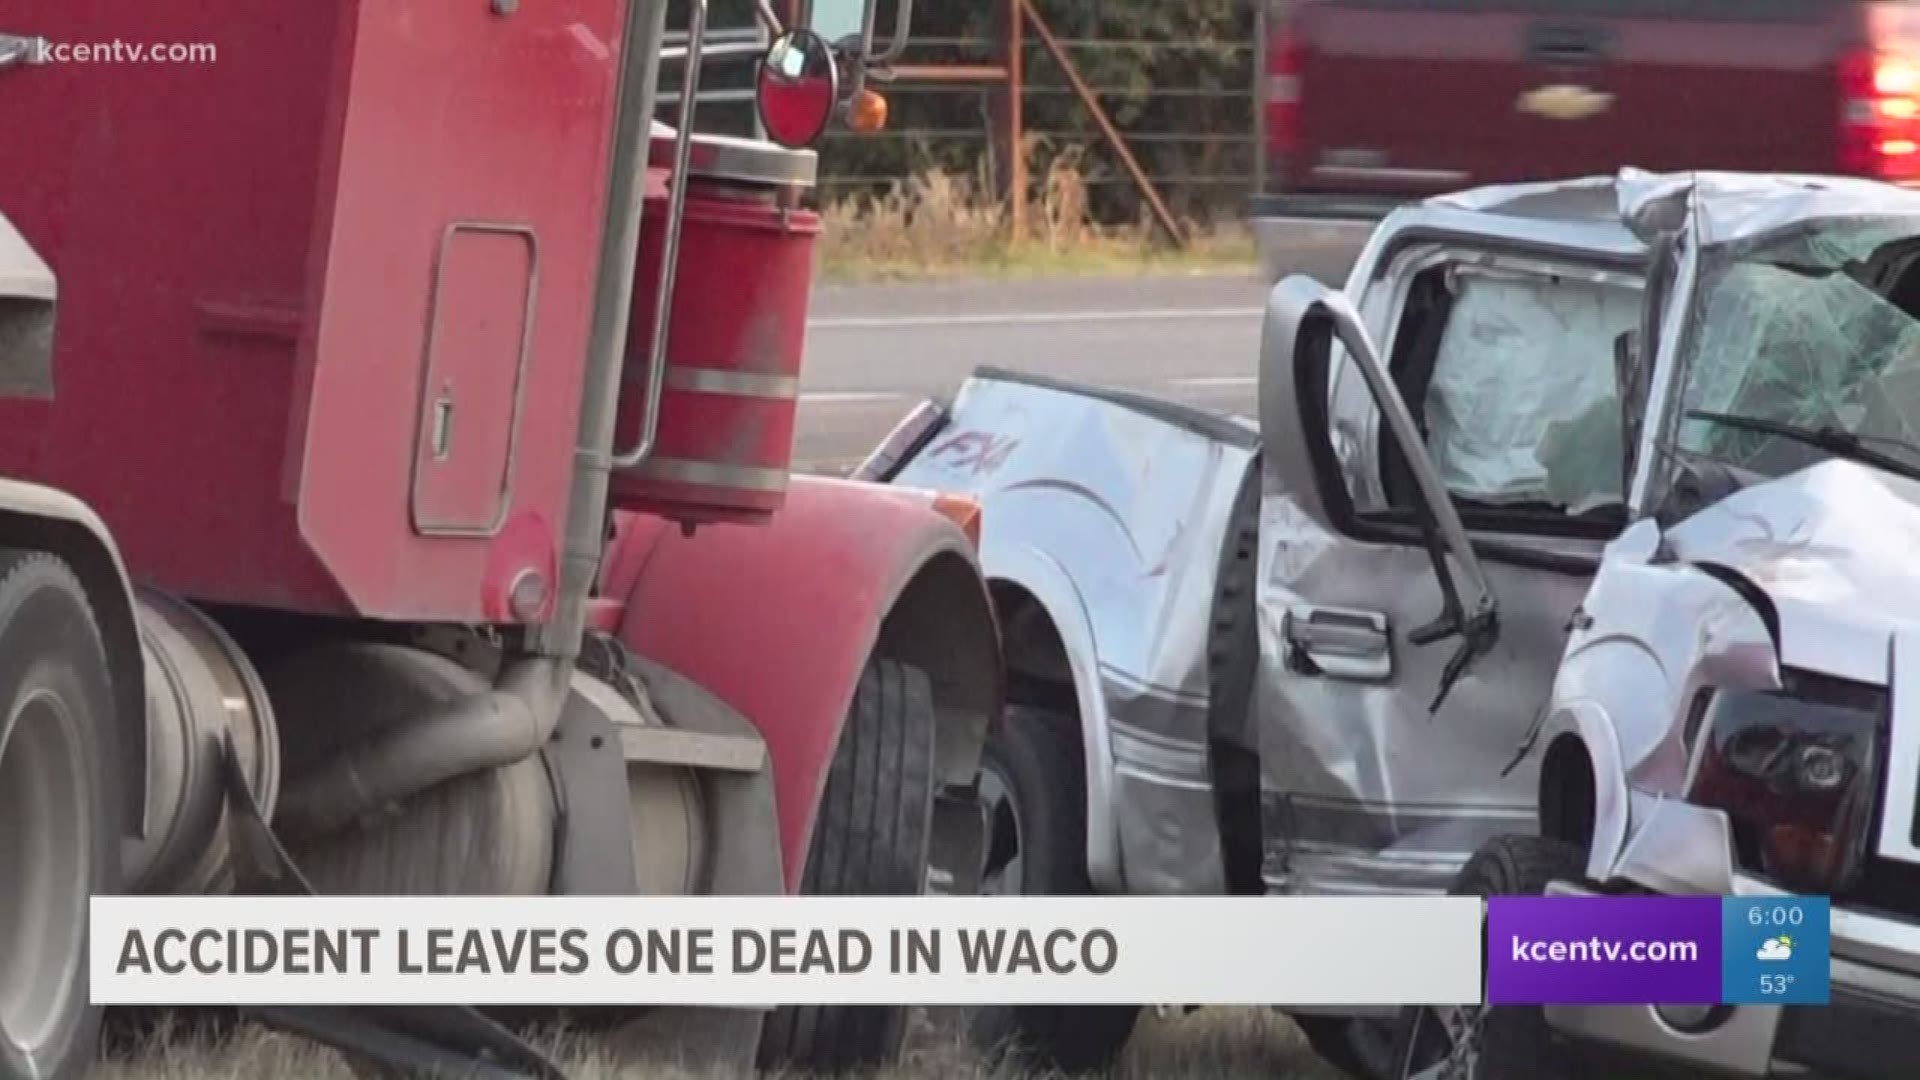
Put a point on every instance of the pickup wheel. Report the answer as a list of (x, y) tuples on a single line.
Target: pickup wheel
[(870, 838), (1480, 1042), (59, 814), (1034, 792)]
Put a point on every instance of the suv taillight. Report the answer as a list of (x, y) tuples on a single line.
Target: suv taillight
[(1880, 115), (1286, 58)]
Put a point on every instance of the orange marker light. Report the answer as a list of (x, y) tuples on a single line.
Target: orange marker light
[(867, 112), (962, 511)]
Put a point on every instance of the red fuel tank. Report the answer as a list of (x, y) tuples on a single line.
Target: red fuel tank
[(724, 443)]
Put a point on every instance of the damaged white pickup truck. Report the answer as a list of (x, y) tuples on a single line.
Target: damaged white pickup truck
[(1577, 547)]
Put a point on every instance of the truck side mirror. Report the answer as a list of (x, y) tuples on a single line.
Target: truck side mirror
[(849, 26), (797, 88)]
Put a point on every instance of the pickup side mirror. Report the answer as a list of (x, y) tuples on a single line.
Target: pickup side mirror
[(1305, 318)]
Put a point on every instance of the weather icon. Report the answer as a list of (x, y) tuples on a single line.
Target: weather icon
[(1776, 948)]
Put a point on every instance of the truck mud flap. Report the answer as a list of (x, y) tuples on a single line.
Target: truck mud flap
[(411, 1040), (416, 1040)]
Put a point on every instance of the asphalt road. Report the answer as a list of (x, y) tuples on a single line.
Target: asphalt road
[(874, 351)]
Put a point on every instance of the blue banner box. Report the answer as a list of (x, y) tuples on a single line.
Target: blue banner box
[(1659, 950)]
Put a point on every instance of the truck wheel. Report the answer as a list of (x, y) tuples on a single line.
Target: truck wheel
[(59, 814), (1033, 786), (1478, 1042), (870, 838)]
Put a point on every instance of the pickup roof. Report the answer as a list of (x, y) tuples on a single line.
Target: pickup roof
[(1373, 101), (1579, 503)]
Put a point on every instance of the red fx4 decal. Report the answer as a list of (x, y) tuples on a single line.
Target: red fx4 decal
[(974, 452)]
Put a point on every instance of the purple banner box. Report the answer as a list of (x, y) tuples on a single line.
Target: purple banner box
[(1603, 950)]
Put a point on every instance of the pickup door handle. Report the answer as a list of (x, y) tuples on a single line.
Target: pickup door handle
[(1339, 642)]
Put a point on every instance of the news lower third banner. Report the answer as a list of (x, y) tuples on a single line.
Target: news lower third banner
[(955, 950)]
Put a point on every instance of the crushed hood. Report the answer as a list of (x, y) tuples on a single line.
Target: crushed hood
[(1835, 548), (1718, 207)]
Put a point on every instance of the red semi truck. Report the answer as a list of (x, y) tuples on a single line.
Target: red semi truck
[(1374, 102), (400, 499)]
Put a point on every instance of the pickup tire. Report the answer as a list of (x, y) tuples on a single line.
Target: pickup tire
[(1035, 793), (1508, 1042), (59, 814), (870, 838)]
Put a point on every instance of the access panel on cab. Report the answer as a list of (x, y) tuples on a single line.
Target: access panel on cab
[(325, 278)]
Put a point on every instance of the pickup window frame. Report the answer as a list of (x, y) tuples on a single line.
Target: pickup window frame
[(1402, 527), (1412, 360)]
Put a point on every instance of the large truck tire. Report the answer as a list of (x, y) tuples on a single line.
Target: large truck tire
[(59, 814), (1034, 788), (870, 838)]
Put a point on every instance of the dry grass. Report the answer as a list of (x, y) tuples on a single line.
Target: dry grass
[(940, 223), (1225, 1043)]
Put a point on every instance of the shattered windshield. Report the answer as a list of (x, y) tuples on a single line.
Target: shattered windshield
[(1816, 330)]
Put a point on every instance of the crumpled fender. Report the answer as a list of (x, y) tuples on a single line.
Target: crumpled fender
[(1650, 636), (779, 620)]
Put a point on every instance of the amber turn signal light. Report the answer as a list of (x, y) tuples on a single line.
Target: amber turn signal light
[(962, 511), (867, 112)]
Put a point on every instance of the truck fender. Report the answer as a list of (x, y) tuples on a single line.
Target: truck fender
[(37, 518), (779, 620), (1022, 569)]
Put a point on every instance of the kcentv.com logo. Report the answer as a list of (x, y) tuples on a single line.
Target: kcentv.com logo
[(20, 49)]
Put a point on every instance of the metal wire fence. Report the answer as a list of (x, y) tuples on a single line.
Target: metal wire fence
[(1184, 102)]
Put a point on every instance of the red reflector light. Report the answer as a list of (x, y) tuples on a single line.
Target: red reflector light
[(1801, 854), (1286, 61)]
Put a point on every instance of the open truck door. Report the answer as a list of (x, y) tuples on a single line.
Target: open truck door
[(1417, 573)]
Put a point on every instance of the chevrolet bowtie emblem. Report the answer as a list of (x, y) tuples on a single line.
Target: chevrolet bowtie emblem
[(1564, 102)]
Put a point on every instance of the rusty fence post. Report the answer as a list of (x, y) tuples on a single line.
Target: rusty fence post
[(1141, 180), (1013, 126)]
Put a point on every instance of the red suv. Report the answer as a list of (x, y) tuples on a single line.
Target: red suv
[(1372, 101)]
